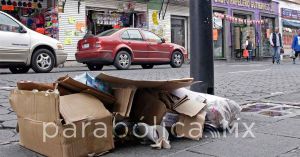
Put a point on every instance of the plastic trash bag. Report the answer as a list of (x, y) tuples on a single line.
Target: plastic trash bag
[(221, 112)]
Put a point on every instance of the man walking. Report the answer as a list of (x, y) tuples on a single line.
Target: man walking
[(296, 46), (276, 43)]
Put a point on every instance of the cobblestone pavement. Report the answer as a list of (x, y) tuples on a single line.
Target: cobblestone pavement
[(242, 82)]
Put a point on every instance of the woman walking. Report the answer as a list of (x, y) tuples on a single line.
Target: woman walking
[(296, 46)]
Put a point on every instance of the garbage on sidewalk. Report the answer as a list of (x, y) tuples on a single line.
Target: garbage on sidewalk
[(88, 115)]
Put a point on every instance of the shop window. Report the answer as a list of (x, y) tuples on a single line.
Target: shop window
[(125, 35), (218, 37), (135, 35), (151, 37), (7, 24), (266, 30)]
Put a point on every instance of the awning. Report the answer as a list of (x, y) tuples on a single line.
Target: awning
[(292, 24)]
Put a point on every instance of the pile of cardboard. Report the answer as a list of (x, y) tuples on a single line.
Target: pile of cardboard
[(69, 118)]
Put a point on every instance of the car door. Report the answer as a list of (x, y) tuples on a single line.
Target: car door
[(157, 49), (14, 44), (137, 44)]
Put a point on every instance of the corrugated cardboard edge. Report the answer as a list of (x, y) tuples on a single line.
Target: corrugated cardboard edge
[(71, 84), (162, 84)]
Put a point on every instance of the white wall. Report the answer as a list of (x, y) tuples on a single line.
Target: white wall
[(164, 27), (71, 10)]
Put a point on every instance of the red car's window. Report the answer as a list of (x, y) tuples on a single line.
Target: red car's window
[(135, 35), (108, 32), (149, 36), (125, 35)]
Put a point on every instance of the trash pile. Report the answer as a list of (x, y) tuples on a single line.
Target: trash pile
[(88, 115)]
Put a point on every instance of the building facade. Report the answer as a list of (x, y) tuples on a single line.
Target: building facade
[(289, 21), (237, 20)]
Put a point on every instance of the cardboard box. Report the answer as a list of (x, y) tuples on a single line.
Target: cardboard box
[(47, 113), (187, 110), (125, 91)]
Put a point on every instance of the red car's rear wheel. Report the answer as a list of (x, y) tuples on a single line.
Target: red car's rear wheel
[(122, 60)]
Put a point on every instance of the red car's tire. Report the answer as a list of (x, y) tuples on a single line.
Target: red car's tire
[(122, 60), (147, 66), (95, 67), (177, 59)]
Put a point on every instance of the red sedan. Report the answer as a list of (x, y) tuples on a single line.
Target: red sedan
[(127, 46)]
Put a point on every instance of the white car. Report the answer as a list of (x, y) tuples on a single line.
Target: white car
[(22, 48)]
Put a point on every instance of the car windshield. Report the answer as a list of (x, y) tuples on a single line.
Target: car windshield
[(108, 32)]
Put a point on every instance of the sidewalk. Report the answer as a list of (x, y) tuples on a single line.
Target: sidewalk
[(246, 83)]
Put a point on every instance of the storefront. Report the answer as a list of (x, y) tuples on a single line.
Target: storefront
[(170, 21), (38, 15), (236, 20), (104, 15), (290, 20)]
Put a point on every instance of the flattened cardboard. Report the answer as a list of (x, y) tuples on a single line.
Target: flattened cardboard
[(191, 104), (124, 102), (80, 106), (78, 87), (163, 84), (190, 108), (192, 127)]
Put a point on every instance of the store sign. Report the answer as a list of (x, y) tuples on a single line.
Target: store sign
[(290, 14), (247, 3), (8, 7)]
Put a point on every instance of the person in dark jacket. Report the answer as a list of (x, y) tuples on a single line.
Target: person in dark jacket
[(276, 43), (296, 46), (249, 47)]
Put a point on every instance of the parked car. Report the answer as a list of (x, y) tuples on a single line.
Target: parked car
[(22, 48), (127, 46)]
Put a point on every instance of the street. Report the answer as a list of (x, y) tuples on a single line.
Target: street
[(243, 82)]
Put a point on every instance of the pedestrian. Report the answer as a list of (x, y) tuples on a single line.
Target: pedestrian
[(276, 43), (249, 47), (296, 46)]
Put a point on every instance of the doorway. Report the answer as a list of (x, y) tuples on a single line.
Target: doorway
[(179, 30), (240, 33)]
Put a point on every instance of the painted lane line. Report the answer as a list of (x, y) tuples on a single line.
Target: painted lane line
[(250, 71)]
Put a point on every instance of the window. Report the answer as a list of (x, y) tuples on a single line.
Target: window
[(108, 32), (151, 37), (135, 35), (125, 35), (8, 25)]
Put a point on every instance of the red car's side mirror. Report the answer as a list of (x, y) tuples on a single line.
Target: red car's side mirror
[(163, 40)]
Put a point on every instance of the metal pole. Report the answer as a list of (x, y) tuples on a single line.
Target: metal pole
[(202, 64)]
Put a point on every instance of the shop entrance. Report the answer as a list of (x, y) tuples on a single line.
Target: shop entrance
[(240, 33), (179, 30), (100, 20)]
